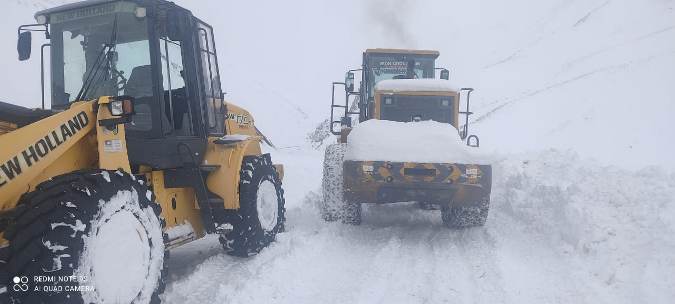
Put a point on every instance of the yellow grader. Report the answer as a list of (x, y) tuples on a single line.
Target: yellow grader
[(401, 86), (139, 153)]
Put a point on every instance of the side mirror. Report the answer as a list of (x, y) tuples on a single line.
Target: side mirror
[(445, 74), (24, 45), (175, 25), (349, 82)]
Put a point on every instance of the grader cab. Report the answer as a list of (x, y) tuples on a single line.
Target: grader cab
[(398, 102), (138, 153)]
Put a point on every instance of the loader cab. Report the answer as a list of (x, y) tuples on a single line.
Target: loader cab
[(400, 85), (152, 50), (386, 64), (378, 65)]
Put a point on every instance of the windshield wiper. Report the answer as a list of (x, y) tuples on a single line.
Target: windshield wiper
[(102, 60)]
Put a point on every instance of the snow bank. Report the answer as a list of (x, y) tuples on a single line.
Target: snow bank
[(611, 228), (426, 141), (406, 85)]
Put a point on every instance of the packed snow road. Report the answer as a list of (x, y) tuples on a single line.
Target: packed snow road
[(561, 230)]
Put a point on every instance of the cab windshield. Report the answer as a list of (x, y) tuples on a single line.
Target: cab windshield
[(79, 53), (396, 66)]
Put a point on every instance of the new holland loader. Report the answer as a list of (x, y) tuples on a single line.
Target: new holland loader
[(401, 86), (139, 153)]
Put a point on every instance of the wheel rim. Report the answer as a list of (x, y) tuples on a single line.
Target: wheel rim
[(120, 258), (267, 205)]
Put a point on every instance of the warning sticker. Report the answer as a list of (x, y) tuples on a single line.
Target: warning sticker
[(112, 146)]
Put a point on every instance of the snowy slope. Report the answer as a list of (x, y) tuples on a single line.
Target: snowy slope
[(607, 92)]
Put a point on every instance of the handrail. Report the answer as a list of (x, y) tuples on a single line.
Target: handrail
[(467, 113)]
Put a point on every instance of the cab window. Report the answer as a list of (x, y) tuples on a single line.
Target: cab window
[(177, 117), (210, 78)]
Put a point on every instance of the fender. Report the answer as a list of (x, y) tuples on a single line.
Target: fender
[(224, 182), (229, 158), (55, 145)]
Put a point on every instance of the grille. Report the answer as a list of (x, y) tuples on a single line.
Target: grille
[(419, 172), (407, 108)]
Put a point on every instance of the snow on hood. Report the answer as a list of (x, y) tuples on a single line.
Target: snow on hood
[(404, 85), (425, 141)]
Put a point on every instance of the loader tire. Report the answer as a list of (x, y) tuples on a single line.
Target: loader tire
[(333, 206), (466, 217), (332, 183), (102, 229), (351, 213), (262, 212)]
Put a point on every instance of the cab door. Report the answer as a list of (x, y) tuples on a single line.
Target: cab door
[(179, 117)]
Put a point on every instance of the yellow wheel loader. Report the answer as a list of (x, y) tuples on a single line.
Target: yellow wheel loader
[(139, 153), (401, 86)]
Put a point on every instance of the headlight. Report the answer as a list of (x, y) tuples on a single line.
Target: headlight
[(445, 102), (117, 107), (388, 101), (121, 106)]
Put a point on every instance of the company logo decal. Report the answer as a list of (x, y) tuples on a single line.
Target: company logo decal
[(41, 148), (240, 119)]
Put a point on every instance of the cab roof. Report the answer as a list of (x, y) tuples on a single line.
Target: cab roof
[(87, 3), (435, 54)]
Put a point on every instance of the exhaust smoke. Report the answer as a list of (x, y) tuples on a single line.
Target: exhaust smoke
[(392, 18)]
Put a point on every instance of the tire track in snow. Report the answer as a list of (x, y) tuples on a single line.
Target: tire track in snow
[(418, 260), (417, 268), (477, 248), (375, 280)]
